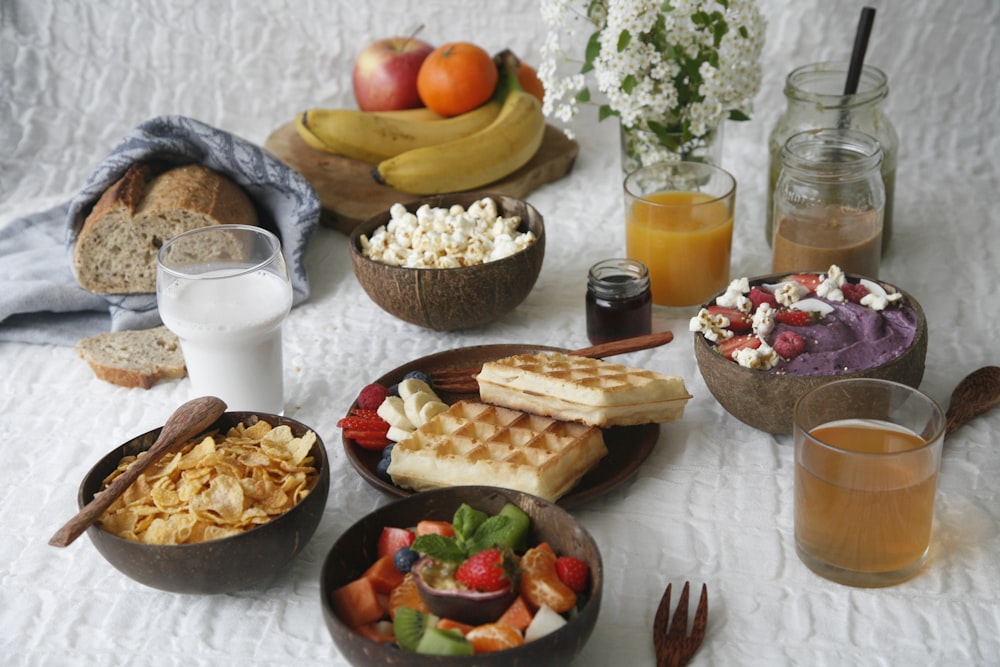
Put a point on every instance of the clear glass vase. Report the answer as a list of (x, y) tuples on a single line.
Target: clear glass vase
[(641, 147)]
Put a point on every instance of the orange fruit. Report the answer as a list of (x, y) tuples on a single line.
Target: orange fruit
[(493, 637), (456, 78), (540, 583), (406, 595), (528, 78)]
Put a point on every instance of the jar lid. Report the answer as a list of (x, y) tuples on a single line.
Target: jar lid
[(618, 277)]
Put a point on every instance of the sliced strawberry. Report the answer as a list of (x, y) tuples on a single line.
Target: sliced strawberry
[(392, 539), (808, 280), (355, 423), (738, 320), (368, 441), (729, 347), (573, 572), (365, 413), (796, 318)]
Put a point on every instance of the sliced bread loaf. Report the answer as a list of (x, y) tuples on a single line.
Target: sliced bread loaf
[(134, 358), (115, 252)]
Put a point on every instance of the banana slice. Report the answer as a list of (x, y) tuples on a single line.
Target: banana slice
[(396, 434), (393, 411), (412, 405), (430, 409), (411, 386)]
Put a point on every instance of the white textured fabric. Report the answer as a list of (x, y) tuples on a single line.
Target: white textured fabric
[(713, 503)]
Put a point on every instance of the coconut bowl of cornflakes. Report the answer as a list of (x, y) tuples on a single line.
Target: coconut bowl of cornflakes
[(449, 262), (230, 510)]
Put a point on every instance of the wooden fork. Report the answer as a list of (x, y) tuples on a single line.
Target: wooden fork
[(674, 647), (463, 381)]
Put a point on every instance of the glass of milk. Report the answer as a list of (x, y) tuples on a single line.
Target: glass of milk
[(224, 290)]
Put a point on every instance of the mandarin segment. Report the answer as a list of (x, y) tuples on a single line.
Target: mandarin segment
[(540, 584)]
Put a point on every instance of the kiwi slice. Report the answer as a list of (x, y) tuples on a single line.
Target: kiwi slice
[(517, 537), (443, 642), (409, 626)]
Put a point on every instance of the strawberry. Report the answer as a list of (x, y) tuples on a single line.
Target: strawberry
[(358, 423), (854, 291), (392, 539), (808, 280), (368, 439), (738, 320), (730, 346), (758, 296), (789, 344), (372, 396), (573, 572), (486, 571), (796, 318)]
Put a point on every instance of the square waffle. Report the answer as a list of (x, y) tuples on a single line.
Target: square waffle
[(475, 443), (591, 391)]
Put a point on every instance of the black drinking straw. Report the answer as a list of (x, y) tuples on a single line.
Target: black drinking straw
[(857, 57)]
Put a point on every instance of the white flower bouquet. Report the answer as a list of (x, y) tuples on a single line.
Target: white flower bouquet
[(672, 70)]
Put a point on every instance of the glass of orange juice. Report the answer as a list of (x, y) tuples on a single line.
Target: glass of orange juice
[(867, 455), (679, 223)]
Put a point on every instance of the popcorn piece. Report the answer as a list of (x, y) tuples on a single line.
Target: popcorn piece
[(713, 327), (790, 292), (735, 295), (762, 358)]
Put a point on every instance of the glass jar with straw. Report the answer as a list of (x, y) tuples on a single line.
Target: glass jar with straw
[(844, 95)]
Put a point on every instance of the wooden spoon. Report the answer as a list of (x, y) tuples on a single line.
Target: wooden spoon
[(187, 421), (978, 392)]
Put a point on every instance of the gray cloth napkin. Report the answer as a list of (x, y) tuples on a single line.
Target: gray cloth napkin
[(40, 299)]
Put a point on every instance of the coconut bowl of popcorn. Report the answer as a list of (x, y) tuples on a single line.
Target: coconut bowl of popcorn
[(448, 262), (764, 341)]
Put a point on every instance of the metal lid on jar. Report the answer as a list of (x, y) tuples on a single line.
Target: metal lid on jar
[(618, 278)]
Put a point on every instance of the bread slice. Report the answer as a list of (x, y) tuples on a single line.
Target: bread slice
[(115, 251), (134, 358), (590, 391)]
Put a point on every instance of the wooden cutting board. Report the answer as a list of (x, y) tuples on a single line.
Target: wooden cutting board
[(349, 195)]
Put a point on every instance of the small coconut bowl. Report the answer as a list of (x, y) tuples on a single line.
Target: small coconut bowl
[(456, 298), (765, 400), (356, 550), (220, 565)]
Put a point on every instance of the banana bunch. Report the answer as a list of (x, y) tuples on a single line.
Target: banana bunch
[(416, 405), (376, 136), (472, 161)]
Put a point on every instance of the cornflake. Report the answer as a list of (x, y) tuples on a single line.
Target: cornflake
[(214, 487)]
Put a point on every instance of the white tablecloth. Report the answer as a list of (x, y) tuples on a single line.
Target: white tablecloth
[(713, 502)]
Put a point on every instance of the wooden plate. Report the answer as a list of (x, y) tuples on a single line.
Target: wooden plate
[(349, 195), (628, 446)]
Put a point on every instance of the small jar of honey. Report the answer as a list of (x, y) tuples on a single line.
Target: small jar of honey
[(619, 301)]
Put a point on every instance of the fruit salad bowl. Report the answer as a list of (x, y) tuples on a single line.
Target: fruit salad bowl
[(352, 556), (765, 399), (447, 299)]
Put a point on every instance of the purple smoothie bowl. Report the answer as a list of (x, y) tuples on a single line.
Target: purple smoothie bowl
[(890, 345)]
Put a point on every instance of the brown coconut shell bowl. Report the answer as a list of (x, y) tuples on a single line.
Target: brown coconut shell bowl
[(765, 401), (458, 298), (214, 566), (356, 550)]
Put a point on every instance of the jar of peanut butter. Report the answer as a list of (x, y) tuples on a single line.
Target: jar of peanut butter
[(829, 203)]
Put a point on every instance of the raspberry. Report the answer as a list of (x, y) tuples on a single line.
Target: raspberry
[(758, 296), (789, 344), (854, 291), (372, 396)]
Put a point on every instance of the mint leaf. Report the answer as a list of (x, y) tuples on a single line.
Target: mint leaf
[(439, 547), (466, 521), (492, 531)]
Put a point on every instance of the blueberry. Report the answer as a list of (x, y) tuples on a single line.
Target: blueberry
[(418, 375), (405, 558), (387, 450), (382, 469), (394, 390)]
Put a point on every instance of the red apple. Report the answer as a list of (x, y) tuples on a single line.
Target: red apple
[(385, 74)]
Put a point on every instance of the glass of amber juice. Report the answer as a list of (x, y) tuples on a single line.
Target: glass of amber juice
[(867, 454), (679, 223)]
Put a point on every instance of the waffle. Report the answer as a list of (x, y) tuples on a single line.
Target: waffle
[(590, 391), (474, 443)]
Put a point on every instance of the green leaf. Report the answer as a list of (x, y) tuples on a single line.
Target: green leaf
[(744, 33), (605, 111), (495, 529), (736, 114), (583, 95), (624, 39), (466, 522), (439, 547), (628, 84), (593, 49)]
